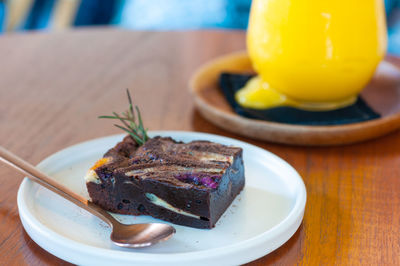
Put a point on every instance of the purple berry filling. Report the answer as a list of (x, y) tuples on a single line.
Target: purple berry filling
[(210, 181)]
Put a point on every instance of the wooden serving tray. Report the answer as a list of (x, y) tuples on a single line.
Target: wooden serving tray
[(382, 94)]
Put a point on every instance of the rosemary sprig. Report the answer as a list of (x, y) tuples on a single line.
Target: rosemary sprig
[(130, 125)]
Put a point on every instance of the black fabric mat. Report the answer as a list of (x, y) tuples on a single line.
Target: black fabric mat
[(358, 112)]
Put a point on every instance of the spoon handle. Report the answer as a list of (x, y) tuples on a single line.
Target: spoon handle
[(44, 180)]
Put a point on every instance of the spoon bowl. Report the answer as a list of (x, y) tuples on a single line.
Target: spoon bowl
[(141, 235), (123, 235)]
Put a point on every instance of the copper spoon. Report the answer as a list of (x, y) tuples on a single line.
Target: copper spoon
[(130, 236)]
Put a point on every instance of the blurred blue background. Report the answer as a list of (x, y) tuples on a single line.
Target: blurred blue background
[(19, 15)]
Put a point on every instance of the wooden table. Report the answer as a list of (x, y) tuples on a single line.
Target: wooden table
[(53, 86)]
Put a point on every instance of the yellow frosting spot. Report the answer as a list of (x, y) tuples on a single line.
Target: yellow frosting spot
[(101, 162)]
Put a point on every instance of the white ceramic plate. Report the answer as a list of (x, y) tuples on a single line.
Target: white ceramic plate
[(263, 217)]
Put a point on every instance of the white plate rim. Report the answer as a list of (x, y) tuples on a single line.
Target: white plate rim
[(278, 234)]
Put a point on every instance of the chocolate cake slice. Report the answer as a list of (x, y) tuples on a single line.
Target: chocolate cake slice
[(189, 184)]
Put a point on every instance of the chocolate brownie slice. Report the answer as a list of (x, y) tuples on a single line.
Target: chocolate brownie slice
[(189, 184)]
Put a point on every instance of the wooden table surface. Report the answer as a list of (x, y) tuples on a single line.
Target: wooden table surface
[(54, 85)]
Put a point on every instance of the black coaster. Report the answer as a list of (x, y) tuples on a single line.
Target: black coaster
[(358, 112)]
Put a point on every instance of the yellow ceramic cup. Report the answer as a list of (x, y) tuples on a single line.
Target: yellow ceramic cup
[(312, 54)]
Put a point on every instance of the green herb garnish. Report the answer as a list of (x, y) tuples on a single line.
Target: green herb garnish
[(128, 119)]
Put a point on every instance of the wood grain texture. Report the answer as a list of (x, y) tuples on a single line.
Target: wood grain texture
[(53, 86)]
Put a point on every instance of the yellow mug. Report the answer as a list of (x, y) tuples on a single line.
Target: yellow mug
[(316, 55)]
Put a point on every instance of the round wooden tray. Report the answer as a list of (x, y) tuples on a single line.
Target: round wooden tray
[(382, 94)]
